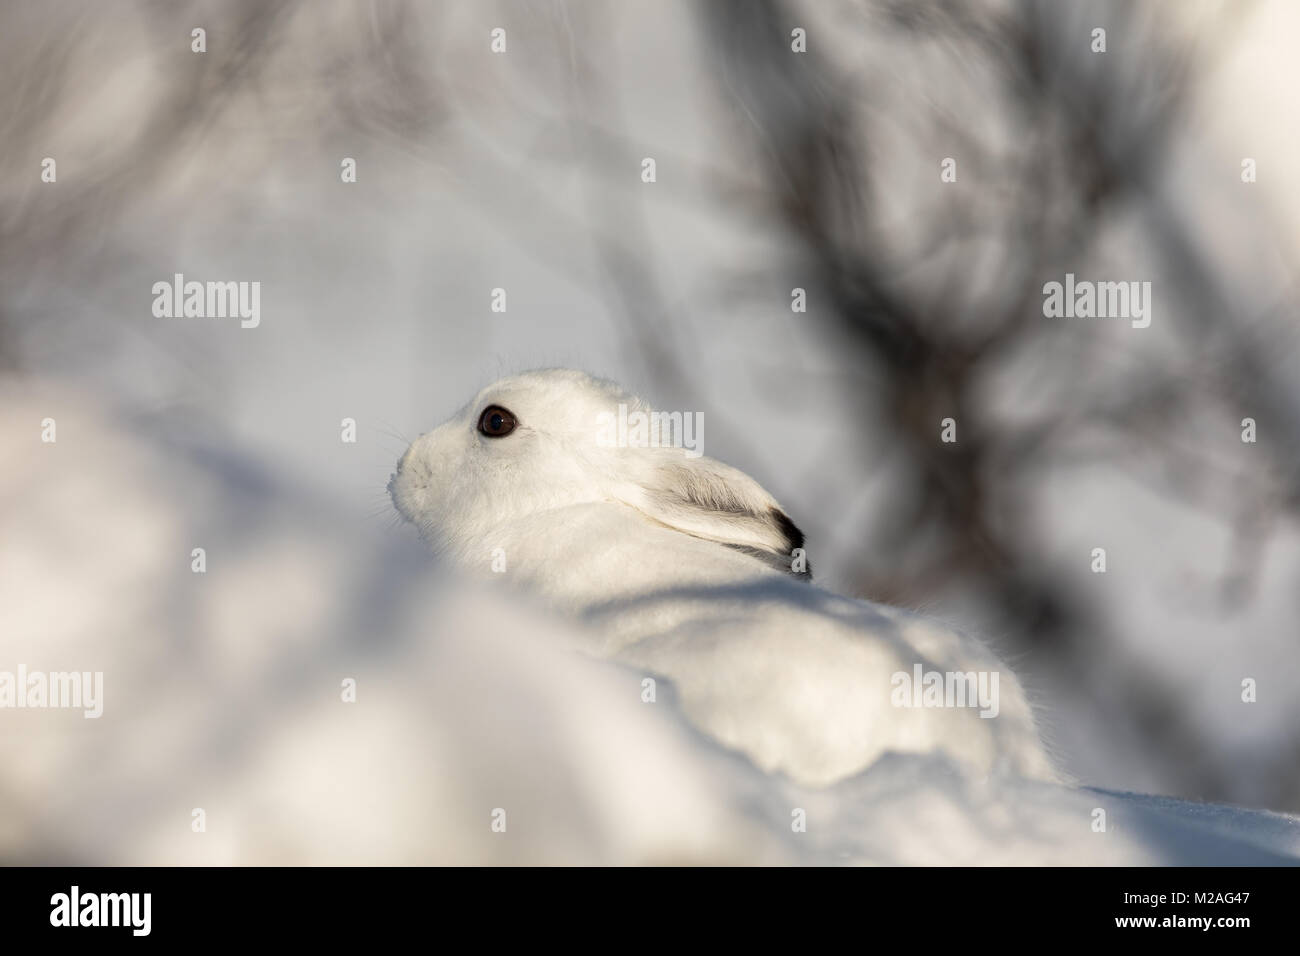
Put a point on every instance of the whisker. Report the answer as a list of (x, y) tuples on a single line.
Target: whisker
[(392, 431)]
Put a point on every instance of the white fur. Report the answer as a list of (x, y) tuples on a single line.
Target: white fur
[(682, 565)]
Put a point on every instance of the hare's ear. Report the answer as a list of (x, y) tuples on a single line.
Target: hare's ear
[(710, 500)]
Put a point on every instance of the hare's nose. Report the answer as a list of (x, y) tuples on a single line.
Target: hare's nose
[(392, 479)]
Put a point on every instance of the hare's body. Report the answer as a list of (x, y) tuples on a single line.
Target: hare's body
[(682, 567)]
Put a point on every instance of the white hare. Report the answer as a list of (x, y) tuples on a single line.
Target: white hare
[(687, 568)]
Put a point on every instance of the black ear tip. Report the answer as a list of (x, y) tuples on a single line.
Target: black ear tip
[(793, 540), (793, 536)]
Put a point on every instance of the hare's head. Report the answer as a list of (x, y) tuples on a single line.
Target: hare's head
[(550, 439)]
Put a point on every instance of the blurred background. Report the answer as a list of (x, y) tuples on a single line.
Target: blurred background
[(775, 170)]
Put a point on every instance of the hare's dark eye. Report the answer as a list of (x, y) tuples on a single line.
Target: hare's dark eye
[(496, 422)]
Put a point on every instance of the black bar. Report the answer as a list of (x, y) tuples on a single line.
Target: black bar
[(215, 906)]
